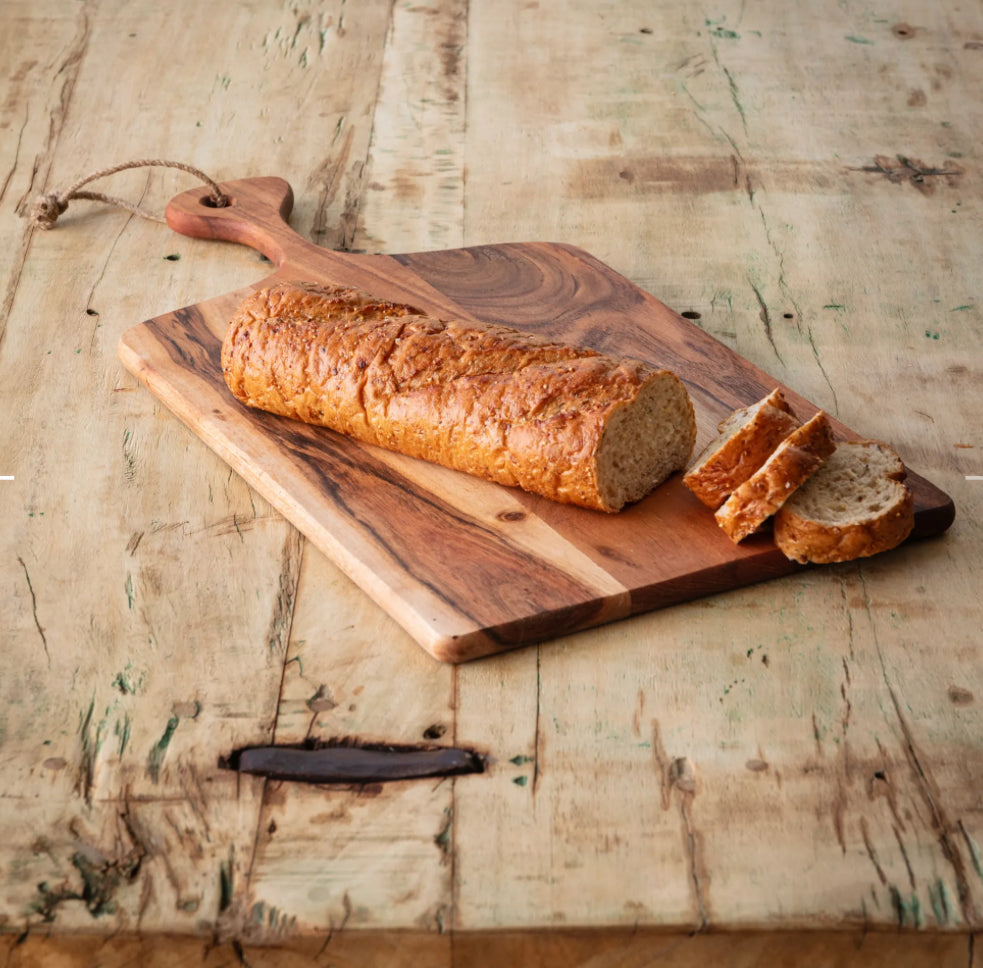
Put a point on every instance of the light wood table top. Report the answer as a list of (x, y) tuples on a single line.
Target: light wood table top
[(792, 770)]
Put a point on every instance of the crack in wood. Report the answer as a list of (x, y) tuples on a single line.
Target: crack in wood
[(34, 611), (13, 165), (281, 621), (537, 733), (766, 319), (902, 169), (927, 789), (871, 852), (679, 774), (69, 71)]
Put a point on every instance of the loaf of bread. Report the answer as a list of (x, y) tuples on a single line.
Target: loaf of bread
[(564, 422), (746, 440), (792, 462), (854, 506)]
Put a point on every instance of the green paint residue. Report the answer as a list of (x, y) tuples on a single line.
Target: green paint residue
[(443, 838), (907, 912), (916, 911), (100, 882), (520, 780), (717, 29), (225, 883), (126, 682), (960, 309), (122, 731), (938, 896), (930, 335), (91, 741), (974, 853), (839, 307), (520, 760), (159, 750), (273, 917), (859, 40)]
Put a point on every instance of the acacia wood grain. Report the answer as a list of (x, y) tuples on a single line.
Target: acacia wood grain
[(442, 553)]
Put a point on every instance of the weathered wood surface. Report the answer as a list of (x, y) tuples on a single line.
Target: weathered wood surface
[(508, 569), (800, 755)]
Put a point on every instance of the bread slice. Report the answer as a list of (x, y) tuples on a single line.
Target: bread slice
[(854, 506), (797, 457), (562, 421), (747, 439)]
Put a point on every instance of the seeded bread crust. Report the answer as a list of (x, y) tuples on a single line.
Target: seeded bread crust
[(854, 506), (796, 458), (747, 439), (489, 400)]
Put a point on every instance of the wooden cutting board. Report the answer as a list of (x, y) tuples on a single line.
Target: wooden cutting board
[(469, 568)]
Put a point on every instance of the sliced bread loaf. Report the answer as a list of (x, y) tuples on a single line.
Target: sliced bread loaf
[(562, 421), (791, 463), (855, 505), (747, 439)]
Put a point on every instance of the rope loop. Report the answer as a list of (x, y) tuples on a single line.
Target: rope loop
[(47, 207)]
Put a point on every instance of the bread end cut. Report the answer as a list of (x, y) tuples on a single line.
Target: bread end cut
[(854, 506), (645, 441)]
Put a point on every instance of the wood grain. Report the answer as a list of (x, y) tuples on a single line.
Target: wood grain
[(442, 553)]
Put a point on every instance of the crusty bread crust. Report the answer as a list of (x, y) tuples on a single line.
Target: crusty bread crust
[(494, 402), (790, 465), (747, 439), (874, 516)]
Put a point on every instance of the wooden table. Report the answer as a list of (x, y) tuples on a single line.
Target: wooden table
[(789, 771)]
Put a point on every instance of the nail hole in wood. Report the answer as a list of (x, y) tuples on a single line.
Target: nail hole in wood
[(691, 314)]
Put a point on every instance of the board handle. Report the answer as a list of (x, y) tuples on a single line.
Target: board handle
[(256, 215)]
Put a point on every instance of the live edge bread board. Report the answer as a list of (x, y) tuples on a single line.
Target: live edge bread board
[(469, 568)]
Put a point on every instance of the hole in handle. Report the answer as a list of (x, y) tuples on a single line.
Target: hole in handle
[(209, 202)]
